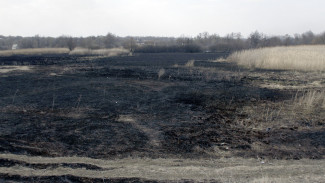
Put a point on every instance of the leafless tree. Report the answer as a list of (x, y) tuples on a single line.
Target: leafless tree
[(110, 40), (70, 43)]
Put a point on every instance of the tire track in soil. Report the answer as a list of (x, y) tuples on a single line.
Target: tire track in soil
[(223, 170)]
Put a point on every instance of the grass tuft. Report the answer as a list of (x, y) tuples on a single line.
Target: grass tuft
[(190, 63), (310, 100), (161, 72)]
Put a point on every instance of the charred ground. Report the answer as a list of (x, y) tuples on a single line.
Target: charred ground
[(118, 107)]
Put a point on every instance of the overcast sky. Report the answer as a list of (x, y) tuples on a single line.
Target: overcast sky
[(159, 17)]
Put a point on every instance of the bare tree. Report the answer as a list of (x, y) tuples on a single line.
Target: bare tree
[(70, 43), (319, 39), (130, 44), (110, 40), (308, 37), (36, 41), (255, 39)]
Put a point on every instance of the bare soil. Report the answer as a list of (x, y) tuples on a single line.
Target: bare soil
[(118, 107)]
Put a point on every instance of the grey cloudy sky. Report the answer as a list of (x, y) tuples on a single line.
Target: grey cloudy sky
[(159, 17)]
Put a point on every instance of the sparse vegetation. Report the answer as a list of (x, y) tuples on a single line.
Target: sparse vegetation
[(301, 58)]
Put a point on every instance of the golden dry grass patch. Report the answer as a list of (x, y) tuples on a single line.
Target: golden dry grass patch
[(78, 51), (219, 60), (100, 52), (34, 51), (126, 119), (7, 69), (316, 84), (301, 58)]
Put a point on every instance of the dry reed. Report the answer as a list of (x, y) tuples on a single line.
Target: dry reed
[(302, 58)]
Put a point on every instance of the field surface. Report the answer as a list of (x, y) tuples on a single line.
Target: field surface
[(158, 117)]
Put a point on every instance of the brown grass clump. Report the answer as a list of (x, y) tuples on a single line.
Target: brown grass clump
[(7, 69), (302, 58)]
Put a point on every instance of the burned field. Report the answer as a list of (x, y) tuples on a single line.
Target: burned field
[(157, 106)]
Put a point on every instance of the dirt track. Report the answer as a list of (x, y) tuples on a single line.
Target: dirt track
[(218, 170), (107, 108)]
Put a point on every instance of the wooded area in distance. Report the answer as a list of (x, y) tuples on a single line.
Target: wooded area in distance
[(203, 42)]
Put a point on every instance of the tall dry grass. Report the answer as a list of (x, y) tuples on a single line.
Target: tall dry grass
[(34, 51), (301, 58), (100, 52)]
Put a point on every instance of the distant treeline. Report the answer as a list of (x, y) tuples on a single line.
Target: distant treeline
[(203, 42)]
